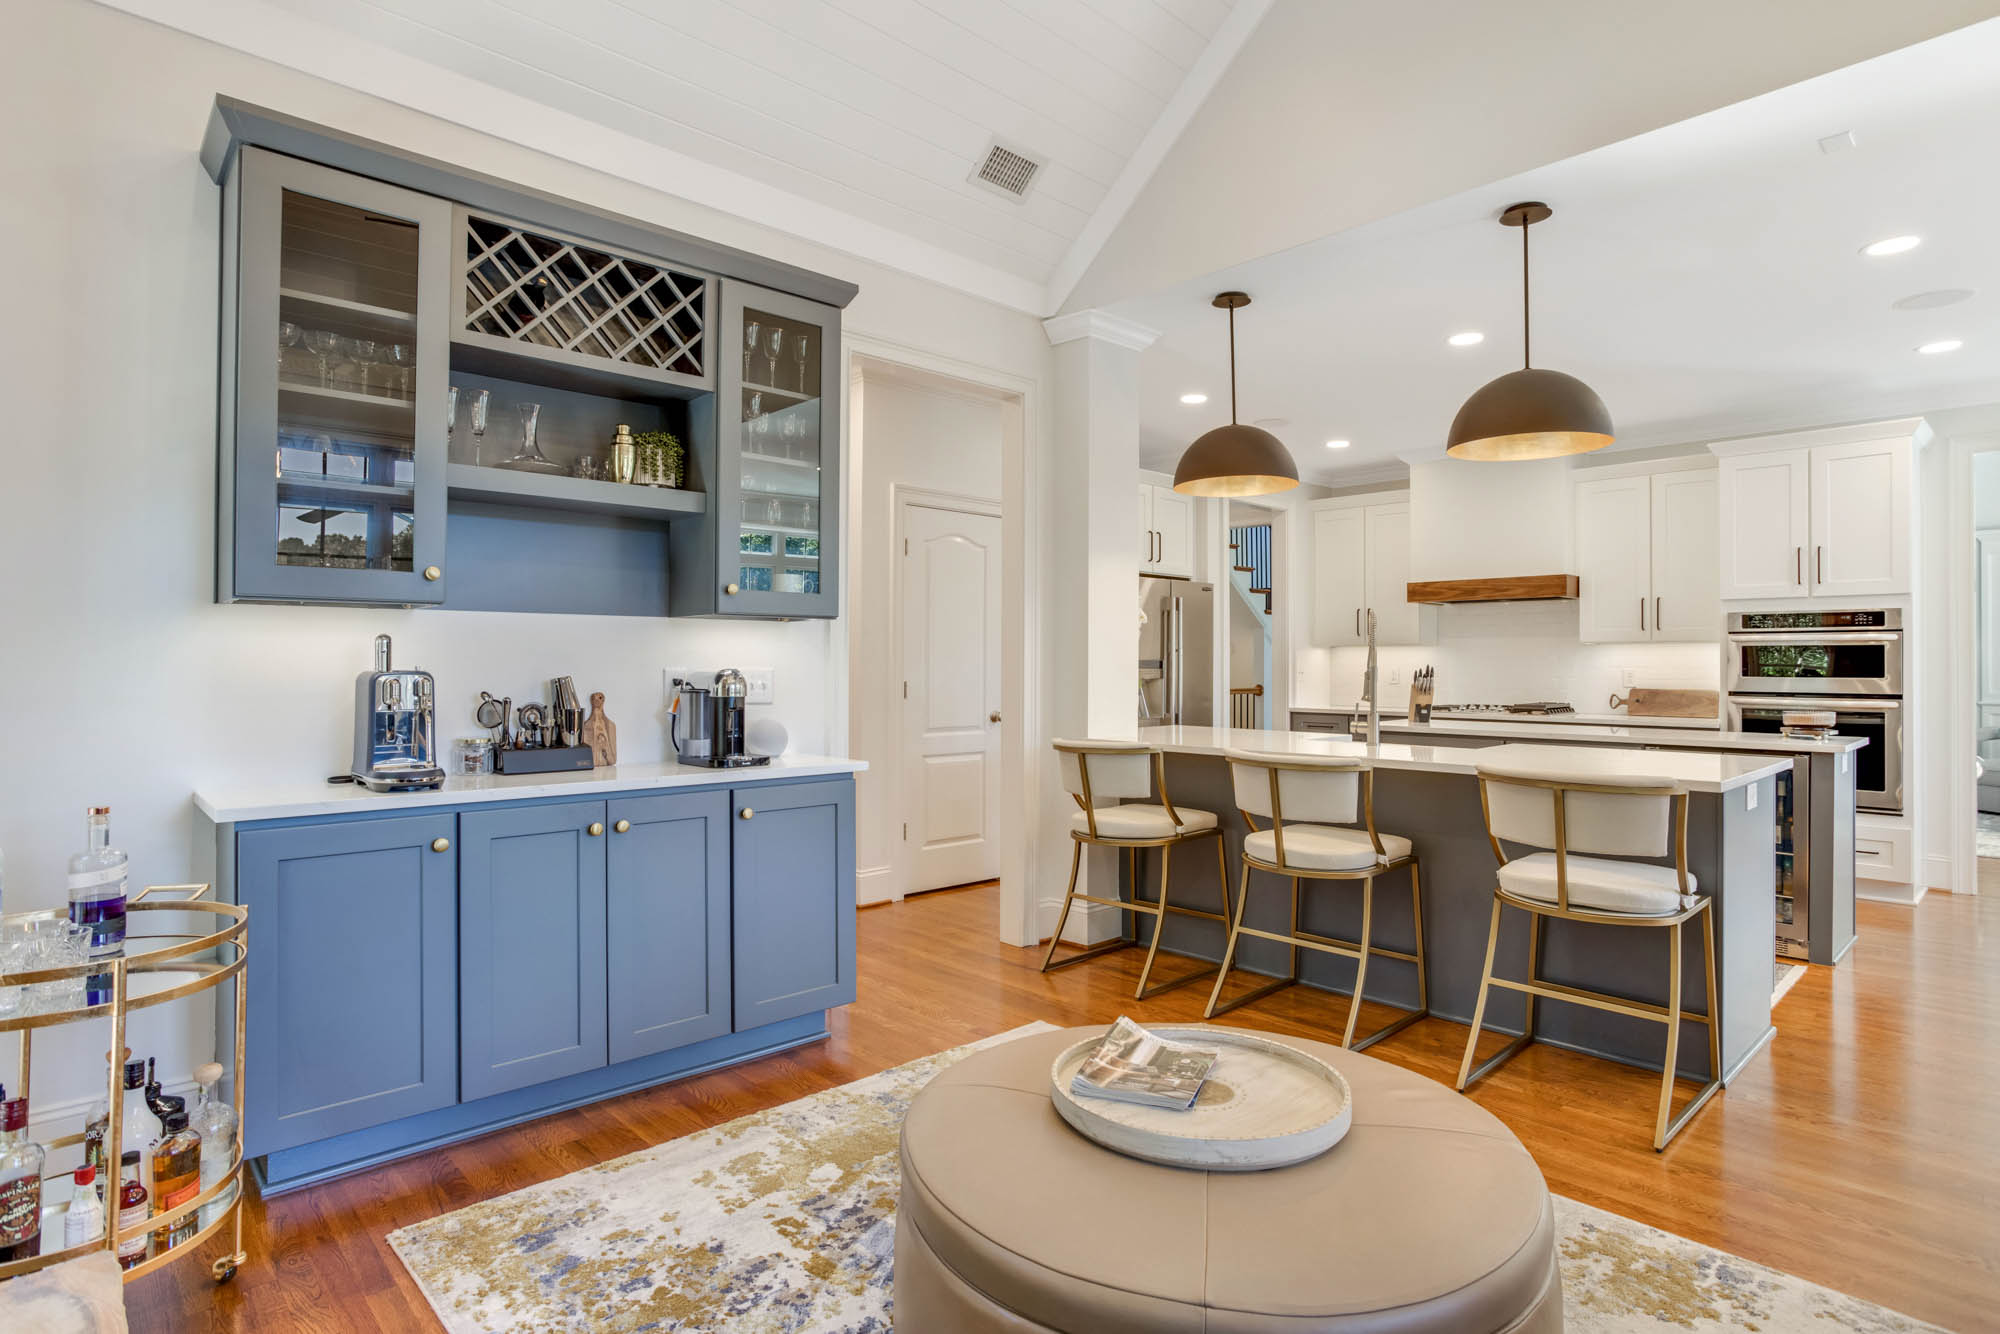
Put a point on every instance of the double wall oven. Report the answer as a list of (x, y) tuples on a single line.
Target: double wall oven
[(1848, 663)]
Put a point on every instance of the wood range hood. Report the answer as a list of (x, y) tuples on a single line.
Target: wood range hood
[(1517, 588)]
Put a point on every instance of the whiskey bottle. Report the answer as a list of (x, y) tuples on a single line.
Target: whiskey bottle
[(132, 1210), (96, 1125), (176, 1178), (20, 1184), (215, 1121)]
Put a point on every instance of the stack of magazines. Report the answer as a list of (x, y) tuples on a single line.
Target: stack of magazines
[(1133, 1065)]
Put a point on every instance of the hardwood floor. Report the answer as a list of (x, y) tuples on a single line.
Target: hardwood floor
[(1861, 1151)]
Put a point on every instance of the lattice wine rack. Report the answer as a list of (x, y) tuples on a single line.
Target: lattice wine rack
[(544, 293)]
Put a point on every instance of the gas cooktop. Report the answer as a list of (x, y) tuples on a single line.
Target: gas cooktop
[(1541, 707)]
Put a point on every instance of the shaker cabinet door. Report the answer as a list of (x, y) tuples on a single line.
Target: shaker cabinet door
[(352, 1020), (1614, 560), (335, 353), (792, 847), (667, 919), (1764, 525), (1173, 524), (531, 945), (1687, 593), (1339, 587), (1860, 519)]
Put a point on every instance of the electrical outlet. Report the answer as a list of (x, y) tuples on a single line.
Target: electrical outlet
[(1395, 676), (758, 679), (670, 674), (1625, 677)]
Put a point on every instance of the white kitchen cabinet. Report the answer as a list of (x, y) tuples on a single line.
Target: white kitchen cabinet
[(1166, 532), (1860, 519), (1826, 520), (1361, 562), (1646, 553)]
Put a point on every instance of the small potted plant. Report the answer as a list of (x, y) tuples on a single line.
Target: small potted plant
[(661, 459)]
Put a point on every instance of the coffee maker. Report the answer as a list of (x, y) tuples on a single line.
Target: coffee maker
[(395, 727), (709, 723)]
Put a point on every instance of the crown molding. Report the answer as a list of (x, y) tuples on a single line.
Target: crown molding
[(1101, 325)]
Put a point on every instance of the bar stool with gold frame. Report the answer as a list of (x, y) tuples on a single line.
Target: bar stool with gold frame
[(1319, 793), (1093, 771), (1615, 818)]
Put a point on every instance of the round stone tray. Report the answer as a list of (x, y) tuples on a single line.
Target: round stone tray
[(1265, 1105)]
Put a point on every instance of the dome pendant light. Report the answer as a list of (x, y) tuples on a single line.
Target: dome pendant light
[(1235, 460), (1529, 413)]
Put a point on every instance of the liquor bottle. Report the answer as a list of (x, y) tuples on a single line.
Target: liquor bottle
[(84, 1223), (176, 1178), (20, 1184), (131, 1118), (97, 886), (132, 1209), (161, 1103), (215, 1121), (96, 1125)]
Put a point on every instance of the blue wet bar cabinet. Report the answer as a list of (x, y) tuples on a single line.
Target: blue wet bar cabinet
[(429, 966)]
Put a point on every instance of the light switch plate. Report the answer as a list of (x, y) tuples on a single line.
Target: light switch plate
[(1750, 797), (760, 683)]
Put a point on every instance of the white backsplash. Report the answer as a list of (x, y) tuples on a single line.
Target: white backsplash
[(1506, 653)]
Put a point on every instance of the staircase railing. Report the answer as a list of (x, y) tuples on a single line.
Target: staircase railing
[(1246, 706)]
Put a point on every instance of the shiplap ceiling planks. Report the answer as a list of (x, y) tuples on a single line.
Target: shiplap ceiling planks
[(879, 109)]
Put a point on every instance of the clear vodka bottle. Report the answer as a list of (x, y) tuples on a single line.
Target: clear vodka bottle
[(214, 1119), (98, 881)]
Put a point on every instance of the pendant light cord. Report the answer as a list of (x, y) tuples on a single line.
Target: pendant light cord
[(1527, 343), (1232, 365)]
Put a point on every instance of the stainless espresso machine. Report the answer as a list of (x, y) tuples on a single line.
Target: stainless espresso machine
[(395, 727), (709, 721)]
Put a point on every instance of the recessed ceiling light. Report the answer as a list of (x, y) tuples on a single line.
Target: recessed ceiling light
[(1943, 296), (1942, 345), (1892, 245), (1192, 399), (1338, 444), (1466, 339)]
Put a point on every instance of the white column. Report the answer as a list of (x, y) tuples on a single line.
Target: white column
[(1090, 578)]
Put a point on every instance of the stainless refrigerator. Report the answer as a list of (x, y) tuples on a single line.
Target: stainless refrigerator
[(1176, 652)]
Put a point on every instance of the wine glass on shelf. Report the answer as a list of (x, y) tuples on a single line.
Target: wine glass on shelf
[(398, 358), (481, 400), (774, 343), (750, 331), (450, 417), (800, 343), (366, 356), (288, 338), (321, 343)]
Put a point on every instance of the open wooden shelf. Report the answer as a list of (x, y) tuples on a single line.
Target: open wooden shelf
[(504, 486)]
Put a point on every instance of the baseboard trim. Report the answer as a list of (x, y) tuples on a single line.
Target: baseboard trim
[(875, 884), (1938, 874), (1089, 923), (1889, 891)]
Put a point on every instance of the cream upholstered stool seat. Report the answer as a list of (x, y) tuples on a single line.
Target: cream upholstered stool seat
[(1589, 826), (1113, 783), (1321, 793), (1428, 1218)]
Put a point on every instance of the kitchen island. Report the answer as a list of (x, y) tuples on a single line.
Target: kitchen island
[(1430, 795), (434, 965)]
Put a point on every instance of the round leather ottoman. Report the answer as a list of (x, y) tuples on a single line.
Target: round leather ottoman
[(1428, 1216)]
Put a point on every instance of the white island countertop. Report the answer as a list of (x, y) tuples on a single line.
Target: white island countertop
[(1698, 771), (235, 803), (1692, 738)]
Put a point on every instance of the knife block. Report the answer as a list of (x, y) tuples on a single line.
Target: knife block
[(1420, 703)]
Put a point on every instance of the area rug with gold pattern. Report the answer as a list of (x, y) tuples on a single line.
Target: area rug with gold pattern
[(784, 1222)]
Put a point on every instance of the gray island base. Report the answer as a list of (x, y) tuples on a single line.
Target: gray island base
[(1430, 796)]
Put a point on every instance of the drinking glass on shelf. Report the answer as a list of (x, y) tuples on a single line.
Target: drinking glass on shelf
[(774, 343), (808, 515), (480, 400), (450, 417), (398, 358), (750, 331), (799, 345), (530, 457), (363, 354), (321, 343)]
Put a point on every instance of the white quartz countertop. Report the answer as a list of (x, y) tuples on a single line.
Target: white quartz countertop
[(232, 803), (1699, 771), (1691, 737), (1545, 722)]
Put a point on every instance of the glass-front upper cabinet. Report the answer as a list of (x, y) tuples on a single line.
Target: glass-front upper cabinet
[(334, 400), (775, 469)]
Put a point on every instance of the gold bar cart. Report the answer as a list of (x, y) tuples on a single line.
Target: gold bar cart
[(154, 970)]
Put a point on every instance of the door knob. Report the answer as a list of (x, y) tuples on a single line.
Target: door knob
[(433, 573), (596, 828), (993, 717), (440, 845), (745, 813), (729, 589), (622, 827)]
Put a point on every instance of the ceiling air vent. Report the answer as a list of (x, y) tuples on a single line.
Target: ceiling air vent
[(1006, 171)]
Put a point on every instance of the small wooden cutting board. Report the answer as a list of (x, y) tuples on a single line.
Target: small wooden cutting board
[(1642, 703)]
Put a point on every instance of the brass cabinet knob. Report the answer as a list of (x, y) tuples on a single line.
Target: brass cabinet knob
[(596, 828), (433, 573), (729, 589), (440, 845), (746, 813), (622, 827), (993, 717)]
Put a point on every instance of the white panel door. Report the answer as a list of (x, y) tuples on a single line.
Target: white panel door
[(1614, 560), (1339, 590), (1860, 519), (1765, 532), (1386, 569), (1149, 542), (950, 598), (1173, 525), (1687, 547)]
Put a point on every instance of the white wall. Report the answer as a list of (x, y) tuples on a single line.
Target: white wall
[(131, 686), (916, 431)]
